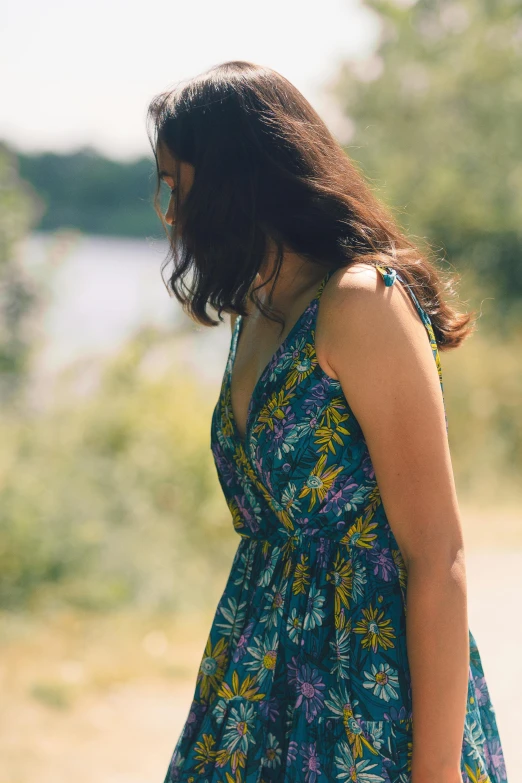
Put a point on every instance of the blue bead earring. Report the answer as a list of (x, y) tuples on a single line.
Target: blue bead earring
[(389, 275)]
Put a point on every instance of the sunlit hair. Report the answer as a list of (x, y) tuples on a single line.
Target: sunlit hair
[(266, 166)]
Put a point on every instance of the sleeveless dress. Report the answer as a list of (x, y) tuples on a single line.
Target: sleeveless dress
[(305, 675)]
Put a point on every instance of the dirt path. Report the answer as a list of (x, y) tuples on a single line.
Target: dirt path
[(494, 603)]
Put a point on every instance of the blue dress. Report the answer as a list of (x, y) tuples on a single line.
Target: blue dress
[(305, 675)]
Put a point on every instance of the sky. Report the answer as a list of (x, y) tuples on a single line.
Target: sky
[(78, 74)]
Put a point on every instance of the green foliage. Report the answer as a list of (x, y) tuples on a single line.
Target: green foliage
[(437, 113), (19, 298), (483, 390), (88, 192), (52, 694), (112, 497)]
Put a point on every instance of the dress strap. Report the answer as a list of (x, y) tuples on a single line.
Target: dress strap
[(323, 283), (389, 276)]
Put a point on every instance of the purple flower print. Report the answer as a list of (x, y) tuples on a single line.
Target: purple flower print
[(394, 714), (384, 567), (195, 716), (242, 643), (269, 709), (367, 467), (338, 496), (314, 423), (224, 466), (311, 418), (385, 771), (495, 757), (282, 428), (323, 552), (311, 765), (318, 395), (263, 473), (306, 528), (247, 513), (292, 751), (174, 770), (481, 690), (309, 687), (341, 525), (191, 724)]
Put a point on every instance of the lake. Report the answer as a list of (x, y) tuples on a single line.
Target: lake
[(101, 289)]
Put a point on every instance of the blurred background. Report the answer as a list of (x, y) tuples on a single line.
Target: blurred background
[(115, 541)]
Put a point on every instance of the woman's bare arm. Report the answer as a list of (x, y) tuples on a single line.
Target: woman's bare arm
[(372, 339)]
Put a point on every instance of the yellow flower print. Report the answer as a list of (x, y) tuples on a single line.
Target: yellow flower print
[(302, 367), (212, 668), (248, 688), (273, 409), (354, 733), (374, 501), (204, 753), (477, 776), (401, 567), (235, 758), (302, 576), (320, 481), (434, 348), (226, 413), (376, 630), (341, 578), (244, 466), (359, 534), (237, 519), (289, 546), (287, 549), (283, 512), (409, 759), (331, 428), (336, 411), (286, 509), (326, 436)]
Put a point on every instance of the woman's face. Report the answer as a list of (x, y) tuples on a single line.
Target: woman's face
[(167, 172)]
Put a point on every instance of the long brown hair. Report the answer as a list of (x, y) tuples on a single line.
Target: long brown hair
[(267, 167)]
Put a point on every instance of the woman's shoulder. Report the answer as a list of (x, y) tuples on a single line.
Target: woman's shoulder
[(359, 314), (358, 294), (353, 295), (355, 276)]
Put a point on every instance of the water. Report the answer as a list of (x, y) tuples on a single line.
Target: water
[(101, 289)]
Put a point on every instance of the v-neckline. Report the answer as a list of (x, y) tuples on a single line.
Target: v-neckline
[(280, 349)]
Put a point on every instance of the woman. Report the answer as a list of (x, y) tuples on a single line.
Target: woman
[(340, 648)]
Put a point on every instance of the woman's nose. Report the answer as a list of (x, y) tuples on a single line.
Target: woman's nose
[(169, 217)]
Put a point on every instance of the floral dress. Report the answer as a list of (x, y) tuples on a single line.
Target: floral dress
[(305, 675)]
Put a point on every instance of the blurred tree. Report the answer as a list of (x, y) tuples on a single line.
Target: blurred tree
[(20, 208), (437, 118), (85, 191)]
